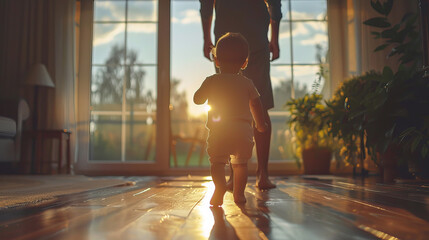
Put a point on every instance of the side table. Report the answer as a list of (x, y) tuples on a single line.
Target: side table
[(40, 136)]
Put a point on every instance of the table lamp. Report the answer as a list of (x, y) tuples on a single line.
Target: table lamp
[(38, 76)]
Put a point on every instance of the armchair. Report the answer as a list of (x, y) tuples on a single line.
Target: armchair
[(12, 115)]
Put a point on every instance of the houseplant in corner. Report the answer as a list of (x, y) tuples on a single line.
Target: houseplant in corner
[(398, 125), (308, 122)]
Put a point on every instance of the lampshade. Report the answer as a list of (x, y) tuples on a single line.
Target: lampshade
[(39, 76)]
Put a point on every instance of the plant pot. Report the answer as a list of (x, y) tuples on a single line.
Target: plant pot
[(390, 161), (316, 160)]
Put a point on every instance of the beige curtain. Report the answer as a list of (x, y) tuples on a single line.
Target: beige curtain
[(40, 31), (351, 44)]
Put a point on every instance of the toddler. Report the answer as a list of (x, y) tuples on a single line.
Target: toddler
[(233, 99)]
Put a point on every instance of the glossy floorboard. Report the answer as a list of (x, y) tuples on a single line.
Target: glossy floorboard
[(178, 208)]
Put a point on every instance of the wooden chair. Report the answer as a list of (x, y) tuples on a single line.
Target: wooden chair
[(195, 140)]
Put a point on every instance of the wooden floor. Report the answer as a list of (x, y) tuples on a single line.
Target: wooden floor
[(178, 208)]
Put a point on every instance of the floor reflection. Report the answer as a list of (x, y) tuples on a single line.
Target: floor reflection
[(179, 208), (222, 229)]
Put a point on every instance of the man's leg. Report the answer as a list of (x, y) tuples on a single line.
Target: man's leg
[(240, 181), (262, 142), (217, 171), (230, 183)]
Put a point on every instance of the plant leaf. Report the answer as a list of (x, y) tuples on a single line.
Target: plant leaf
[(387, 6), (415, 143), (376, 5), (381, 47), (380, 22), (405, 17), (376, 35), (424, 151), (407, 132), (387, 73), (391, 32)]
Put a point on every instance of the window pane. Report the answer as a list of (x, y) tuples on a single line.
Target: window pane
[(188, 69), (284, 42), (106, 88), (140, 137), (285, 9), (310, 39), (189, 141), (141, 41), (109, 11), (281, 147), (142, 10), (308, 9), (105, 138), (141, 89), (304, 78), (108, 43), (282, 86)]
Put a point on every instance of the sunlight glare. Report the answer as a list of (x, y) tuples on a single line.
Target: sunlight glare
[(207, 107), (205, 212)]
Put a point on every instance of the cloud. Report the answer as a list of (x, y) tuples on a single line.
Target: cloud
[(316, 39), (301, 15), (137, 11), (188, 17), (301, 71), (102, 37), (302, 28), (144, 28), (107, 11), (318, 26), (298, 28), (142, 11), (105, 34), (115, 11), (279, 74)]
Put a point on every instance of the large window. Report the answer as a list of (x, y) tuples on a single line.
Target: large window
[(123, 80), (128, 118)]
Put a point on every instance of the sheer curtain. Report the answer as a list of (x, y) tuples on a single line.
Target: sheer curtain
[(351, 44), (40, 31)]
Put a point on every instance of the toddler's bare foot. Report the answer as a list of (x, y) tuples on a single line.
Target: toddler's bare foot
[(264, 184), (217, 198), (239, 199)]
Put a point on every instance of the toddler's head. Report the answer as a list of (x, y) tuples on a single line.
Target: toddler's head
[(231, 52)]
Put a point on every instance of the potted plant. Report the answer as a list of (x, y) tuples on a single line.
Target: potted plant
[(308, 122), (397, 124), (398, 127), (346, 117)]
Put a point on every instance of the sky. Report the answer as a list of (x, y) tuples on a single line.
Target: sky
[(187, 61)]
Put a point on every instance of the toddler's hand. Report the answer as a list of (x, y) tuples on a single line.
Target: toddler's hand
[(262, 128)]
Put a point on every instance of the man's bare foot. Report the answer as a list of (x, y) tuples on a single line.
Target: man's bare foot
[(217, 198), (240, 199), (264, 184)]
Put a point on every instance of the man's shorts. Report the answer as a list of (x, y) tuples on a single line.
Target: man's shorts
[(258, 70), (234, 141)]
